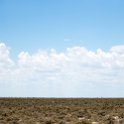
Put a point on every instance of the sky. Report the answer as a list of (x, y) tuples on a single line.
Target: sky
[(61, 48)]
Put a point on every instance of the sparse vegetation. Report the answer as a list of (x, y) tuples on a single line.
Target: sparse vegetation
[(61, 111)]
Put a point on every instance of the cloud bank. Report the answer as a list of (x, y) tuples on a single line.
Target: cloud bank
[(76, 72)]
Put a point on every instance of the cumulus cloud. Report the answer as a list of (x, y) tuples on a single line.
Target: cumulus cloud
[(77, 72), (4, 55)]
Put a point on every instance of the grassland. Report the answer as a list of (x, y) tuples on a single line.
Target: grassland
[(61, 111)]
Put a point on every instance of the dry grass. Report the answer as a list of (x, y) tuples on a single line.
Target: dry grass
[(61, 111)]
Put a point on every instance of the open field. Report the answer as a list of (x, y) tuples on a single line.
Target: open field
[(61, 111)]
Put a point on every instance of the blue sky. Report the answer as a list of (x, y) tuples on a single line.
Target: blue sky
[(30, 24), (31, 31)]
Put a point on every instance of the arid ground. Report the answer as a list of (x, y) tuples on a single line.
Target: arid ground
[(61, 111)]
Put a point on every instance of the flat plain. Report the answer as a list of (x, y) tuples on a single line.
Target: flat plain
[(61, 110)]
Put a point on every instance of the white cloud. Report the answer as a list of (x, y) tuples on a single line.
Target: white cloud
[(77, 72), (4, 55)]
